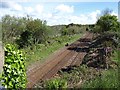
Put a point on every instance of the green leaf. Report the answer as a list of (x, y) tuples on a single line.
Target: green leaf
[(12, 72)]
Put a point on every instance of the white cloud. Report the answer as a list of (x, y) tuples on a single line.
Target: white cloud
[(113, 13), (15, 6), (88, 18), (36, 11), (39, 8), (57, 18), (65, 8), (60, 16), (29, 9), (11, 13), (48, 15), (95, 14)]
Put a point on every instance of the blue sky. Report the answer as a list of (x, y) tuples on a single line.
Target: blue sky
[(55, 12)]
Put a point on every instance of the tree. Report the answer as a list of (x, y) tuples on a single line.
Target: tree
[(64, 31), (35, 32), (25, 39), (108, 34), (12, 27), (107, 23), (38, 29)]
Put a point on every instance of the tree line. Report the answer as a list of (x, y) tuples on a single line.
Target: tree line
[(26, 31)]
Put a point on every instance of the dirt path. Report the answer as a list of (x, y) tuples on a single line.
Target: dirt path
[(67, 56)]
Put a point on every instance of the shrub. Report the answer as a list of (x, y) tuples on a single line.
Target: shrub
[(56, 83), (108, 79), (14, 73)]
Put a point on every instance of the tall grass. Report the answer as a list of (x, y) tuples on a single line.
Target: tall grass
[(88, 77), (57, 83), (108, 78)]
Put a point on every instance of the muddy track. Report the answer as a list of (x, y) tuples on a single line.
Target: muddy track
[(71, 55)]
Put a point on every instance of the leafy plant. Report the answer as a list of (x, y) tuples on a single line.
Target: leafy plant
[(64, 32), (107, 23), (13, 75), (56, 83), (25, 39), (104, 81)]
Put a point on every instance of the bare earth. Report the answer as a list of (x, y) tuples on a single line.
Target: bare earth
[(71, 55)]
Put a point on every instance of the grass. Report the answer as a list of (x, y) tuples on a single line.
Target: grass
[(75, 76), (108, 78), (55, 84), (41, 52), (116, 56), (89, 77)]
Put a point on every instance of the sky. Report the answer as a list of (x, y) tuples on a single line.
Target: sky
[(59, 12)]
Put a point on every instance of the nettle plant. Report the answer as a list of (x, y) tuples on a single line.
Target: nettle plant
[(56, 83), (14, 72)]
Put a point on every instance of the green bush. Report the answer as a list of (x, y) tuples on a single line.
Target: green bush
[(108, 79), (56, 83), (14, 73)]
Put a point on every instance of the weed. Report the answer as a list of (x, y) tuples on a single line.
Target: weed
[(56, 84), (41, 52)]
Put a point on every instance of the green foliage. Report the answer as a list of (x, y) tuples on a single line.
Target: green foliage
[(36, 32), (38, 29), (96, 29), (12, 27), (104, 81), (64, 32), (71, 30), (56, 84), (115, 56), (107, 23), (25, 39), (41, 51), (107, 39), (25, 30), (14, 73), (75, 76)]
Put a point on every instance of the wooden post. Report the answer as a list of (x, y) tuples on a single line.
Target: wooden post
[(1, 51), (1, 57)]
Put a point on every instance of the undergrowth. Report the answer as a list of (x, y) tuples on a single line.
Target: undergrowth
[(107, 79), (88, 77), (41, 51)]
